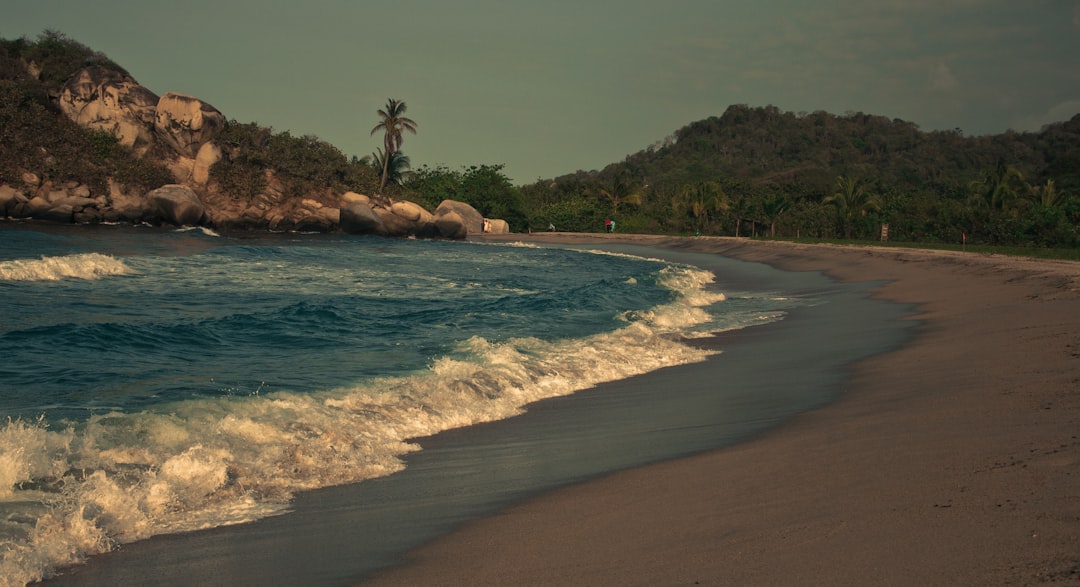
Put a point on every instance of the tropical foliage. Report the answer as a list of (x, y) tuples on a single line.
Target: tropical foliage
[(393, 124), (821, 175)]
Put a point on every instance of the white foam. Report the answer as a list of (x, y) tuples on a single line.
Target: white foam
[(83, 266), (206, 231)]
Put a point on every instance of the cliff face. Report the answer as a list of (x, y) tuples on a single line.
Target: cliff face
[(180, 131)]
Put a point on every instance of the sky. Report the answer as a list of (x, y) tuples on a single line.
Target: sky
[(549, 87)]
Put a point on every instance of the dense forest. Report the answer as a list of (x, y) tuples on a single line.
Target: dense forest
[(762, 171), (753, 171)]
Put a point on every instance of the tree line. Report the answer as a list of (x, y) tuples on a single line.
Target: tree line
[(764, 172)]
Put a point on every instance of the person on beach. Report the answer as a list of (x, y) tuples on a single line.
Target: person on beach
[(607, 225), (611, 227), (551, 227)]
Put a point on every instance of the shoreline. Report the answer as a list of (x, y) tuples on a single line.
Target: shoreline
[(953, 460)]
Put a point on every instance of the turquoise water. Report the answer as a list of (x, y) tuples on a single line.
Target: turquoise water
[(158, 381)]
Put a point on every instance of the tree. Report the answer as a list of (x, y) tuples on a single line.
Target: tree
[(703, 198), (1049, 196), (851, 200), (392, 123), (621, 191), (395, 169), (998, 189), (487, 189), (740, 208), (774, 208)]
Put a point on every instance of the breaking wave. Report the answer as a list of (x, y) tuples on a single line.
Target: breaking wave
[(82, 266)]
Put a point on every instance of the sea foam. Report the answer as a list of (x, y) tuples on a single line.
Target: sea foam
[(83, 266)]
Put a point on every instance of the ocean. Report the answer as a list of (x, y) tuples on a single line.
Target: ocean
[(165, 383)]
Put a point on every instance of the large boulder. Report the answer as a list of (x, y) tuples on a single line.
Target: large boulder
[(473, 220), (496, 226), (104, 99), (394, 225), (177, 204), (126, 206), (359, 218), (422, 222), (187, 123), (354, 198), (407, 210), (450, 224), (9, 198)]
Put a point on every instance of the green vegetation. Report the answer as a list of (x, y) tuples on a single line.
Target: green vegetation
[(760, 171), (302, 165), (750, 172), (392, 123), (483, 187)]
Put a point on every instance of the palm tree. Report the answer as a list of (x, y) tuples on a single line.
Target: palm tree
[(396, 169), (773, 209), (851, 199), (621, 191), (1049, 196), (998, 189), (706, 197), (393, 125), (740, 208)]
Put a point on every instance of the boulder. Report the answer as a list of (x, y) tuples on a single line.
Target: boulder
[(104, 99), (425, 225), (354, 198), (8, 199), (125, 207), (422, 222), (496, 226), (59, 213), (87, 216), (450, 224), (394, 225), (359, 218), (177, 204), (186, 123), (473, 220), (315, 222), (407, 210), (19, 207), (37, 206)]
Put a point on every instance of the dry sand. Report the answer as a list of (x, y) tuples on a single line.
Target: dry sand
[(952, 461)]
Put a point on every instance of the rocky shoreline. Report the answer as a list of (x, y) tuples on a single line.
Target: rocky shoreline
[(180, 131)]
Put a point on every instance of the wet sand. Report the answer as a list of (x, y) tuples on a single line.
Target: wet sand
[(952, 461)]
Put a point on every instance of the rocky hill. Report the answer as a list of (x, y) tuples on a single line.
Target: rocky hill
[(133, 156)]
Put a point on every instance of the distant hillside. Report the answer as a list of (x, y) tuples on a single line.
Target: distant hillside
[(804, 153), (754, 170)]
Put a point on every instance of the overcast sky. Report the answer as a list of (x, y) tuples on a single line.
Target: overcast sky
[(547, 87)]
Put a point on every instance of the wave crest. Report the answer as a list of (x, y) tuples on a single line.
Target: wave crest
[(84, 266)]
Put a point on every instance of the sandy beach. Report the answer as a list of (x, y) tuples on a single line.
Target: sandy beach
[(952, 461)]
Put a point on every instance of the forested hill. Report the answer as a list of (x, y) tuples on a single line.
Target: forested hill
[(759, 170), (803, 154)]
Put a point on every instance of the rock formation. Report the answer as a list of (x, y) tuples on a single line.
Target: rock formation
[(472, 220), (177, 205), (104, 99), (180, 131), (186, 123)]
